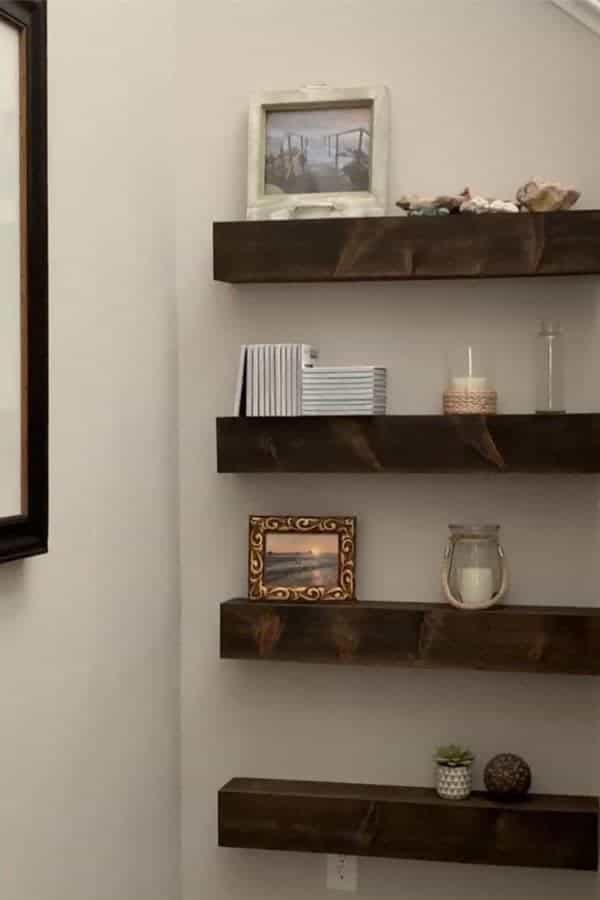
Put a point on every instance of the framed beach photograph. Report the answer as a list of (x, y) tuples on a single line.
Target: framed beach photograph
[(302, 558), (318, 152)]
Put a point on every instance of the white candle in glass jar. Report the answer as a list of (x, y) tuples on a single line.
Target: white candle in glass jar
[(476, 586), (469, 384)]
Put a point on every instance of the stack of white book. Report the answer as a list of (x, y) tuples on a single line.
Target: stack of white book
[(270, 379), (343, 391)]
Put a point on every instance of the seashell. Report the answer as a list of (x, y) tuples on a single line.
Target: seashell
[(429, 211), (479, 204), (503, 206), (419, 202), (540, 196), (475, 204)]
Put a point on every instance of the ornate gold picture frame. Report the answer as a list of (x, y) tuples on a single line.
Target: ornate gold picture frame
[(304, 559)]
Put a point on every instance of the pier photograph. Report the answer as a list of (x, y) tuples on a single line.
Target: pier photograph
[(316, 151), (301, 560)]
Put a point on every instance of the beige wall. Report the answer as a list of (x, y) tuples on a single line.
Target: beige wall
[(89, 633), (485, 94)]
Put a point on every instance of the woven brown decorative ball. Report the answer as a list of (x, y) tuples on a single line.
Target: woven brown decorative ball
[(507, 776)]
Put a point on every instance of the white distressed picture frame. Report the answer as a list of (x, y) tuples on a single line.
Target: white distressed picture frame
[(585, 11), (318, 205)]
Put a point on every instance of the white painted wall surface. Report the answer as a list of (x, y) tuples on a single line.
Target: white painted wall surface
[(89, 633), (485, 93)]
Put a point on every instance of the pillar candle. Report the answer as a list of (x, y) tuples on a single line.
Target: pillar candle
[(469, 385), (476, 586)]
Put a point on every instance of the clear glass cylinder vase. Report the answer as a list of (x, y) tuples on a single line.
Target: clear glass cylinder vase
[(550, 369)]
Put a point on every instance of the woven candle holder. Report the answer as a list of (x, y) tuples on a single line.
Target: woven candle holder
[(463, 403)]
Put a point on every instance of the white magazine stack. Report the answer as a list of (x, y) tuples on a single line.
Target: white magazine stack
[(270, 379), (344, 391)]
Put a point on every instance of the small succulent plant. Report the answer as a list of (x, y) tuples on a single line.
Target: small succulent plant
[(454, 755)]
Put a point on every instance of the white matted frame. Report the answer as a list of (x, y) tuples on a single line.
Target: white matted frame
[(371, 202)]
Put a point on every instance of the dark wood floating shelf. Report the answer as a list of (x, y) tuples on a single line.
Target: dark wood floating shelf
[(417, 635), (542, 831), (513, 443), (400, 248)]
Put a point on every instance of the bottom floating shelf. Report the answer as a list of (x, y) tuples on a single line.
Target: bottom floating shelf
[(542, 831)]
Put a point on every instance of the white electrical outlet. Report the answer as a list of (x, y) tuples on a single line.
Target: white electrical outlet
[(342, 873)]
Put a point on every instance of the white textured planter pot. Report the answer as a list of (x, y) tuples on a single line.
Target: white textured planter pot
[(453, 782)]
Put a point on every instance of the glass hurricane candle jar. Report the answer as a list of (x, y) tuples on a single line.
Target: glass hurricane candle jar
[(474, 574)]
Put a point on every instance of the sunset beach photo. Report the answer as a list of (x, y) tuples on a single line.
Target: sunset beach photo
[(301, 560)]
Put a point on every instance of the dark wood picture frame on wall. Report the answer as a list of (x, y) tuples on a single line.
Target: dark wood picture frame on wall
[(302, 559), (26, 533)]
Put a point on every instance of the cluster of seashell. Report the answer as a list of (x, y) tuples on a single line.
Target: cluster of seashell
[(480, 204), (533, 196)]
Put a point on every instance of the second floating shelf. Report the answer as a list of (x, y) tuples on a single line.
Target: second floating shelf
[(425, 635), (512, 443)]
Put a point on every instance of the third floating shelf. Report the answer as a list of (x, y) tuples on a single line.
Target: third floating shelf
[(544, 639), (409, 823)]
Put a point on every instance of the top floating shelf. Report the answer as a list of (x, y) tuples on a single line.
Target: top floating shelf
[(408, 248)]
